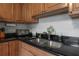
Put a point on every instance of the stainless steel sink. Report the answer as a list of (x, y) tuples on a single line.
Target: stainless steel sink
[(38, 41), (46, 43)]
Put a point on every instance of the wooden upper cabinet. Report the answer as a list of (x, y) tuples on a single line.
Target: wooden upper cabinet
[(10, 12), (17, 12), (49, 5), (28, 10), (6, 11), (54, 6), (49, 9), (74, 9), (28, 15), (24, 7), (36, 9), (25, 13)]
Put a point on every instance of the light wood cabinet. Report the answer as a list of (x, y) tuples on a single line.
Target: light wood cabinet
[(28, 15), (11, 12), (13, 48), (74, 9), (49, 9), (17, 12), (36, 9), (6, 12), (29, 10), (49, 6), (4, 49), (24, 12), (32, 50), (54, 6), (23, 51)]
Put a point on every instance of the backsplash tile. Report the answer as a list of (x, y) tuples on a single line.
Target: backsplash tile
[(63, 25), (9, 29)]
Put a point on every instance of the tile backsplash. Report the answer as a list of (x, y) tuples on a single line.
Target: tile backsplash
[(63, 25), (9, 29)]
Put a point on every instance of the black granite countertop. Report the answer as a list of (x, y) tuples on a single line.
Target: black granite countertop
[(40, 47), (7, 39), (65, 50), (26, 41)]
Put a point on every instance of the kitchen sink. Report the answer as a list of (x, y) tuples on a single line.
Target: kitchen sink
[(46, 43), (39, 41)]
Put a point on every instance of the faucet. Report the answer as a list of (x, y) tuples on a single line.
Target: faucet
[(40, 36), (38, 39), (50, 42), (48, 36), (60, 37)]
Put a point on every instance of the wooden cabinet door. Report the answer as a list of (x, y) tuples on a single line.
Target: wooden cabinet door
[(41, 8), (49, 5), (4, 49), (17, 12), (25, 12), (29, 10), (54, 6), (24, 9), (38, 8), (28, 13), (6, 12), (13, 48), (35, 8), (74, 9), (23, 51), (10, 12)]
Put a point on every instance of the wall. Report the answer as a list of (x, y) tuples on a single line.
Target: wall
[(63, 24)]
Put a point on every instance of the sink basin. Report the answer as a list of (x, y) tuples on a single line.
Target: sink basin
[(38, 41), (54, 44), (46, 43)]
